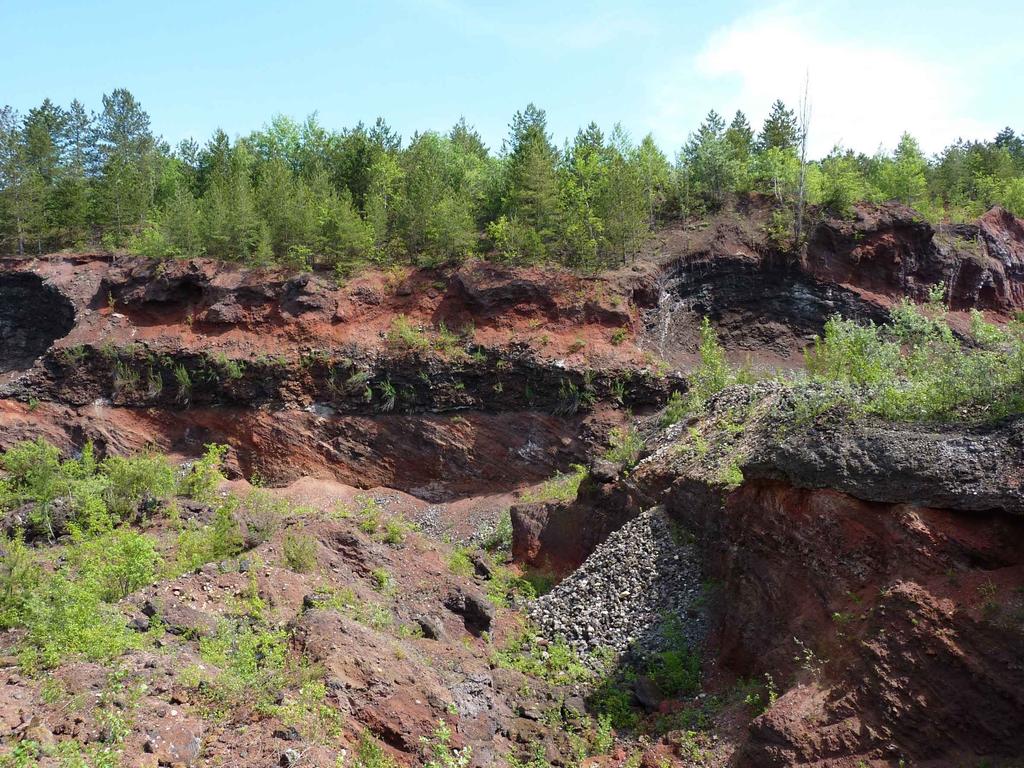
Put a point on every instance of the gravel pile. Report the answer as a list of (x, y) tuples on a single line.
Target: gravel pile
[(627, 590)]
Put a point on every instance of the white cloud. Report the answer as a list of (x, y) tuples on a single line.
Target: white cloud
[(863, 95)]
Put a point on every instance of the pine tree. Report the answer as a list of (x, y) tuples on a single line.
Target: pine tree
[(655, 176), (903, 177), (709, 170), (127, 150), (740, 136), (532, 188), (780, 130), (624, 209)]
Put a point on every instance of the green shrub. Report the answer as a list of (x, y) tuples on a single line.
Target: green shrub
[(626, 446), (459, 562), (917, 370), (439, 752), (19, 577), (404, 335), (137, 479), (556, 662), (299, 552), (262, 513), (562, 487), (115, 564), (370, 754), (222, 539), (500, 539), (251, 666), (201, 480)]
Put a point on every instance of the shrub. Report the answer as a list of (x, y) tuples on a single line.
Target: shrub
[(917, 370), (299, 552), (251, 666), (143, 478), (202, 478), (222, 539), (500, 539), (562, 487), (262, 513), (555, 663), (459, 562), (115, 564), (675, 409), (625, 446), (370, 754), (19, 577), (405, 336)]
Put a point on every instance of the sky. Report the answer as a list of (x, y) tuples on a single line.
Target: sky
[(940, 70)]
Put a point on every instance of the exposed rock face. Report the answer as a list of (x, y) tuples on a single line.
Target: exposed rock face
[(953, 468), (556, 537), (890, 251), (33, 315), (907, 614), (874, 570), (767, 305), (301, 376)]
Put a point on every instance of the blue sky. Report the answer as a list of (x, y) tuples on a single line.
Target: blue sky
[(938, 69)]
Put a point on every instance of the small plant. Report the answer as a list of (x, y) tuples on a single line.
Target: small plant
[(383, 581), (299, 552), (388, 396), (439, 752), (562, 487), (625, 446), (201, 480), (500, 538), (405, 336), (619, 336), (459, 562), (184, 384)]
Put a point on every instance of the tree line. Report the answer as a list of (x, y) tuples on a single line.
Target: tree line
[(305, 196)]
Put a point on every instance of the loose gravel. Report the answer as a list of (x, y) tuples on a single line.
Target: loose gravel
[(624, 594)]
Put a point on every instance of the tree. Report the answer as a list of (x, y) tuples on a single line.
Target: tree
[(655, 177), (436, 216), (20, 185), (780, 129), (740, 136), (532, 185), (71, 196), (708, 167), (842, 182), (623, 203), (232, 228), (127, 151), (903, 177)]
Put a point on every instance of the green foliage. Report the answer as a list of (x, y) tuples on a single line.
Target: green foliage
[(250, 665), (200, 544), (675, 670), (299, 552), (370, 754), (139, 479), (562, 487), (625, 446), (19, 577), (555, 663), (459, 562), (915, 369), (500, 538), (309, 198), (439, 752), (201, 480)]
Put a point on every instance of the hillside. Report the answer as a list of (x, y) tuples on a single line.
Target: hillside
[(730, 504)]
